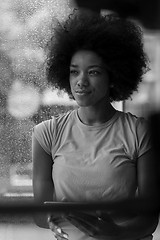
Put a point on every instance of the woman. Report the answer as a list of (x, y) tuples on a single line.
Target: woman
[(95, 153)]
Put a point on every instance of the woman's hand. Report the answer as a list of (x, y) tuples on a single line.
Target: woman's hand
[(93, 225), (58, 232)]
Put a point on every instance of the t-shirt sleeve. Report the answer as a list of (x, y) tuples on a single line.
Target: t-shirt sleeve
[(143, 137), (44, 132)]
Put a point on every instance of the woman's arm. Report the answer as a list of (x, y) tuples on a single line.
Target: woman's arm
[(43, 187), (148, 190)]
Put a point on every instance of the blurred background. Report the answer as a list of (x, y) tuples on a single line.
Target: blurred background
[(26, 99)]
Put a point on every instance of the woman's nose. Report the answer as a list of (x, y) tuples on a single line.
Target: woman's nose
[(83, 80)]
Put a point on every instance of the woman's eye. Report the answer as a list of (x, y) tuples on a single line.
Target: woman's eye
[(73, 72), (94, 72)]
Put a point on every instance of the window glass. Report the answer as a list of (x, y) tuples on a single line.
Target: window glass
[(25, 98), (146, 99)]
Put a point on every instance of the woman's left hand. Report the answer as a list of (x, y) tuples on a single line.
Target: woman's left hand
[(93, 225), (58, 232)]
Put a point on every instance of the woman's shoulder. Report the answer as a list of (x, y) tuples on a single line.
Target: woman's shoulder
[(63, 117), (54, 121), (130, 118), (134, 125), (45, 124), (137, 132), (46, 131)]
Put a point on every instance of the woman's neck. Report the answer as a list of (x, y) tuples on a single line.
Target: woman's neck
[(94, 117)]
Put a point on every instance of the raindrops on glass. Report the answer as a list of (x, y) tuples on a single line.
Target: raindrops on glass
[(25, 30)]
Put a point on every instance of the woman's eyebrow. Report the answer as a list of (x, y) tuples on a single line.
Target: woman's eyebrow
[(91, 66), (95, 66), (73, 65)]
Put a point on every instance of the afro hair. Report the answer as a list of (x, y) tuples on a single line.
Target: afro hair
[(116, 40)]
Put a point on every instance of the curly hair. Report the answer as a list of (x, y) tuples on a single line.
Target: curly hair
[(117, 41)]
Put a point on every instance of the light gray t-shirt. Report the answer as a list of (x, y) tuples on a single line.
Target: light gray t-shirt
[(94, 163)]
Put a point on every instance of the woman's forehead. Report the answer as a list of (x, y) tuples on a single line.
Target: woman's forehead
[(86, 56)]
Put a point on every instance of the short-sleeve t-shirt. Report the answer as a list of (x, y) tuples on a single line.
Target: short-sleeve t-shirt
[(94, 163)]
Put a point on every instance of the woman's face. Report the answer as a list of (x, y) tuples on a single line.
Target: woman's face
[(89, 79)]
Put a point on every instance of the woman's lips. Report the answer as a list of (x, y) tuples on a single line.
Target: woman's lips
[(81, 93)]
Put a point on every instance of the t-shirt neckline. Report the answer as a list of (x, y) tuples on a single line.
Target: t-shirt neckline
[(101, 126)]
